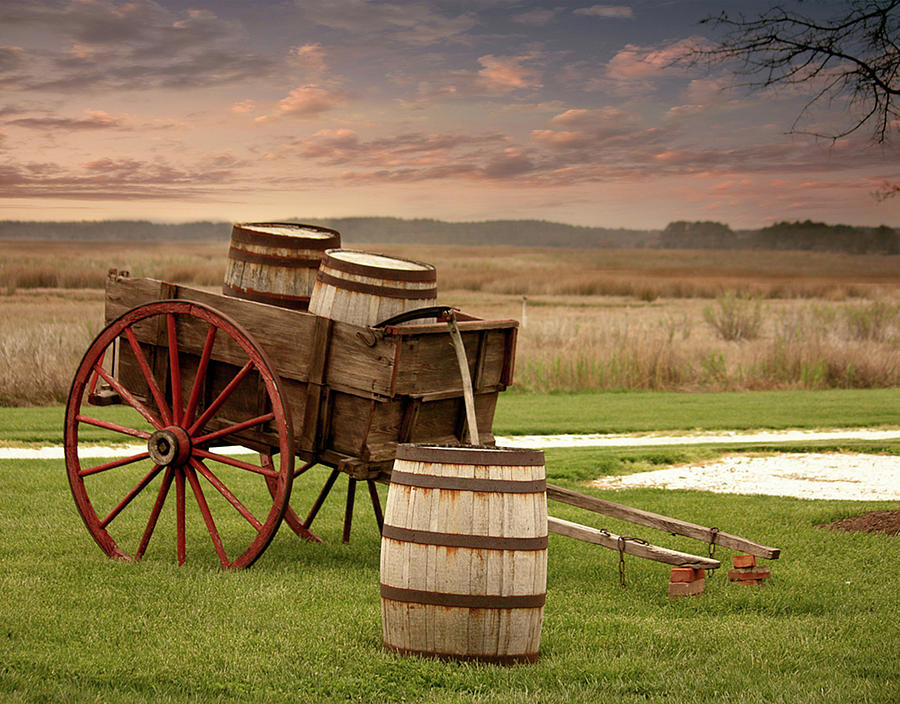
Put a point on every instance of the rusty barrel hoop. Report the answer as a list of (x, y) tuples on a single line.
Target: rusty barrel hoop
[(464, 553), (276, 262), (365, 288)]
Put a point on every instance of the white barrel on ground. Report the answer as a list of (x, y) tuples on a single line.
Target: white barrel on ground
[(464, 553)]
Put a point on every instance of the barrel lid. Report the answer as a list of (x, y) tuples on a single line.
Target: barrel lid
[(352, 261), (289, 229), (279, 233), (471, 454)]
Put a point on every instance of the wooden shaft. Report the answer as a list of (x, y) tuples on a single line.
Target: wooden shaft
[(611, 541), (468, 395), (655, 520)]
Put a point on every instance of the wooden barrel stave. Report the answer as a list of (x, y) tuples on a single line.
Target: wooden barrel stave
[(276, 263), (364, 288), (490, 634)]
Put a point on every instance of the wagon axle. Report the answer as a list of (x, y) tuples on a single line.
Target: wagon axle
[(170, 446)]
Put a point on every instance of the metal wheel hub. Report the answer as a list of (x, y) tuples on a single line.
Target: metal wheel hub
[(170, 446)]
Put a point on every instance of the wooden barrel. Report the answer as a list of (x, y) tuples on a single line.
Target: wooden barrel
[(464, 553), (365, 288), (276, 262)]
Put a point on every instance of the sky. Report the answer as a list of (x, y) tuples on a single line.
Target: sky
[(462, 110)]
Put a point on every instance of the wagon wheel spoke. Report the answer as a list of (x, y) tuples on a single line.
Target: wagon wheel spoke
[(129, 497), (112, 465), (226, 492), (154, 514), (148, 376), (200, 378), (207, 516), (181, 547), (224, 459), (178, 439), (115, 427), (174, 368), (129, 398), (236, 428), (221, 398)]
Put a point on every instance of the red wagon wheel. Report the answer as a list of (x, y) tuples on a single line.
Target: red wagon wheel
[(120, 500)]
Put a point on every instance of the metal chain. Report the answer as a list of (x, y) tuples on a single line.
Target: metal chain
[(713, 532), (621, 545)]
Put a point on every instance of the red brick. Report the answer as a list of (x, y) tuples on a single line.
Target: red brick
[(686, 574), (687, 588), (752, 582), (744, 560), (749, 573)]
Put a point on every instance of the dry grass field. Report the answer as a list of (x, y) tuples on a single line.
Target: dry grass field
[(593, 319)]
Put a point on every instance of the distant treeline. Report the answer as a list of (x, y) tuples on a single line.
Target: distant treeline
[(527, 233), (808, 235)]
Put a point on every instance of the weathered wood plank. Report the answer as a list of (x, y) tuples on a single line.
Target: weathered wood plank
[(660, 522), (466, 324), (611, 541), (422, 361), (353, 363)]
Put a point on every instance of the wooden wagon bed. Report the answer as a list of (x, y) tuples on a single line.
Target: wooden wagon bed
[(353, 392)]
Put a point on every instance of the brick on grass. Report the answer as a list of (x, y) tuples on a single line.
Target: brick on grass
[(744, 560), (694, 588), (685, 574), (745, 574)]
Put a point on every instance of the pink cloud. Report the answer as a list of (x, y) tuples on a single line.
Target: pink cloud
[(244, 106), (637, 63), (502, 74), (606, 11), (307, 101), (311, 58), (92, 120)]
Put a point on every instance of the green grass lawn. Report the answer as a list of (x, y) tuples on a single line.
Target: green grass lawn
[(303, 623), (524, 414)]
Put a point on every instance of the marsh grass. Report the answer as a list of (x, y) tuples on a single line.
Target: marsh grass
[(593, 320), (735, 317)]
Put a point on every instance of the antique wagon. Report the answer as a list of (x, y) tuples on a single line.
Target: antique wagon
[(187, 371)]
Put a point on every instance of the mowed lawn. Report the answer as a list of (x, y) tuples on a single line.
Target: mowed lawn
[(303, 624)]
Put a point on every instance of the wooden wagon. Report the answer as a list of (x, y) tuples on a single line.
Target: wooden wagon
[(201, 370), (193, 371)]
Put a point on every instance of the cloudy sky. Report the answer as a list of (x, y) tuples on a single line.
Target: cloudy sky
[(454, 109)]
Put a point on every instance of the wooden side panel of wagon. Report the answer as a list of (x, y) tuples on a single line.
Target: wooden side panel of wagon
[(353, 392)]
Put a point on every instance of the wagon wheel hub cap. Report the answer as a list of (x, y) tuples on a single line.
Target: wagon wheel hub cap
[(170, 446)]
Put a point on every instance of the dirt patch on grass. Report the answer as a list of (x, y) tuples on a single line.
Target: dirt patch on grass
[(887, 522)]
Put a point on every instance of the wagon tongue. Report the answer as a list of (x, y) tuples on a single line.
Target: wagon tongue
[(170, 446)]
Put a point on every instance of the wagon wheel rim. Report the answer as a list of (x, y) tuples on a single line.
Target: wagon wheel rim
[(179, 429)]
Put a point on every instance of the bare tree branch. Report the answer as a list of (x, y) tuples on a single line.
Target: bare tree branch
[(852, 60)]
